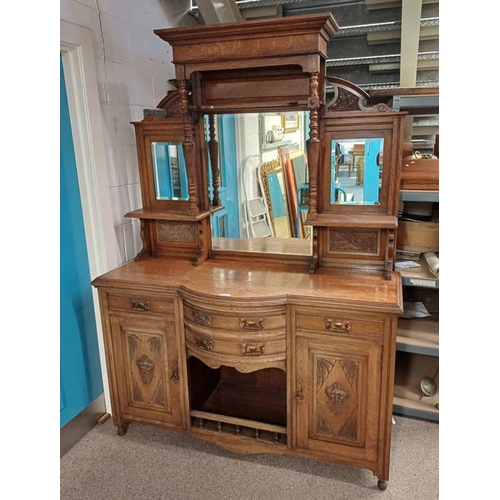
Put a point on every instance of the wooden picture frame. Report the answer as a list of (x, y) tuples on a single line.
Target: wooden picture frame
[(290, 122)]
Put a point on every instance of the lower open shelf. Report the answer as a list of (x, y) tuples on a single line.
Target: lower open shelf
[(418, 335), (247, 401), (408, 398), (243, 404)]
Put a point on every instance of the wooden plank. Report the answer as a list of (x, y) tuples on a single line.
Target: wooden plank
[(242, 422)]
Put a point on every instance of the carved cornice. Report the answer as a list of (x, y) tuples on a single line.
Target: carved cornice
[(349, 97), (172, 104)]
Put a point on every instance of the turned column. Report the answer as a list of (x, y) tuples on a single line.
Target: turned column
[(213, 151), (313, 145), (188, 147)]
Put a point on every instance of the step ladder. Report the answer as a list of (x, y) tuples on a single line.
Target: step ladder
[(256, 211)]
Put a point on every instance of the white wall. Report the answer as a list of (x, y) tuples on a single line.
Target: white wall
[(133, 67)]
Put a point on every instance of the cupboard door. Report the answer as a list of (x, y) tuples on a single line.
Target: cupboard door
[(337, 396), (147, 368)]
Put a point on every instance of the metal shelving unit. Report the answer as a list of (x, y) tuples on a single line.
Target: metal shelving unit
[(417, 344)]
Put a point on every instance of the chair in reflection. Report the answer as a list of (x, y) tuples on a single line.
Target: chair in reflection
[(360, 172), (358, 151), (256, 210)]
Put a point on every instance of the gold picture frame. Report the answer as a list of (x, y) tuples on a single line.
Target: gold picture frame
[(290, 122)]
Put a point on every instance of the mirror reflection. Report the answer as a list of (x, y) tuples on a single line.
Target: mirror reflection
[(356, 173), (262, 172), (273, 187), (169, 171)]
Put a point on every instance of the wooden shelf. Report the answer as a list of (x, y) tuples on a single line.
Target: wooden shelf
[(266, 146), (417, 195), (411, 408), (420, 336), (249, 402), (156, 214), (410, 368)]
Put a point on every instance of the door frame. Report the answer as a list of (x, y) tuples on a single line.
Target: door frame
[(79, 68)]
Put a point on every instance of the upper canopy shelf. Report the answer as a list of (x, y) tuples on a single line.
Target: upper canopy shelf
[(290, 41)]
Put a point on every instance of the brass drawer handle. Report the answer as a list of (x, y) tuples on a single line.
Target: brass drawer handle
[(252, 349), (203, 342), (202, 318), (251, 324), (139, 305), (338, 325)]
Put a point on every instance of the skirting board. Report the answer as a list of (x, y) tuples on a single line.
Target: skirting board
[(81, 424)]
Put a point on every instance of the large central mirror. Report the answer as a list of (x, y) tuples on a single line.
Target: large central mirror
[(262, 182)]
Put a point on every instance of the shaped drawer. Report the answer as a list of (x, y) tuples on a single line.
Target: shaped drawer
[(141, 303), (243, 320), (332, 321), (242, 346)]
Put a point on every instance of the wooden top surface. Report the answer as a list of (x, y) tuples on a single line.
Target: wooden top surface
[(255, 28), (253, 282), (254, 44)]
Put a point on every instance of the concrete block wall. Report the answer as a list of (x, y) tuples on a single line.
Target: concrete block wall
[(133, 68)]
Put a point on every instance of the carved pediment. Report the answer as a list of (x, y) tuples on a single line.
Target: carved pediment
[(349, 97), (171, 104)]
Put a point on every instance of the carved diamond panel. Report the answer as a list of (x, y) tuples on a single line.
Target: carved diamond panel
[(336, 398), (146, 369)]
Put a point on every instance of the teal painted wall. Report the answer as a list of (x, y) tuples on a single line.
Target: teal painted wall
[(80, 370)]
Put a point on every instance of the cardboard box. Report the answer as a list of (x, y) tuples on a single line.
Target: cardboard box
[(416, 236)]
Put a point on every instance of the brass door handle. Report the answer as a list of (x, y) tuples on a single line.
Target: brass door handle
[(298, 393), (175, 372)]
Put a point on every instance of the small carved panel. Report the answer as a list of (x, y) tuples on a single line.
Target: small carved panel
[(172, 104), (349, 97), (145, 370), (345, 101), (336, 398), (176, 232), (337, 395), (355, 241)]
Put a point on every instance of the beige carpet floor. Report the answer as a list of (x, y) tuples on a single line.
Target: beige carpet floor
[(149, 463)]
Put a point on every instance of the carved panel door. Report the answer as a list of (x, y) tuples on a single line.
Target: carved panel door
[(147, 369), (337, 395)]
